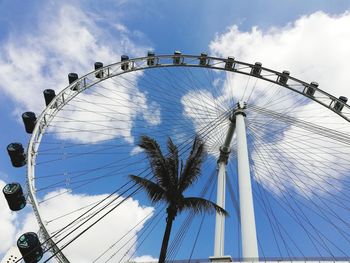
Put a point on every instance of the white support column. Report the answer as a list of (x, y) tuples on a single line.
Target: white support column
[(248, 228), (221, 194), (220, 219)]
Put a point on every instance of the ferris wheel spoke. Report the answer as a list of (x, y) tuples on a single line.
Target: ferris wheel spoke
[(319, 173), (322, 210), (318, 237)]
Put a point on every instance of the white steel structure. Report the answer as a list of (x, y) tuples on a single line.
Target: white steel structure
[(247, 217), (249, 238), (237, 125), (221, 194)]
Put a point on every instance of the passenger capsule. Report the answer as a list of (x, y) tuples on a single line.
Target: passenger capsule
[(229, 62), (310, 91), (71, 78), (125, 65), (29, 247), (177, 57), (29, 120), (99, 74), (203, 59), (17, 155), (282, 79), (150, 58), (14, 196), (339, 105), (256, 69), (49, 95)]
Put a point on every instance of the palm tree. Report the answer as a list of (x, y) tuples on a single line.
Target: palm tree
[(170, 181)]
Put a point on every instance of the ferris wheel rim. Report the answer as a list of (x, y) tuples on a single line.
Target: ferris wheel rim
[(140, 64)]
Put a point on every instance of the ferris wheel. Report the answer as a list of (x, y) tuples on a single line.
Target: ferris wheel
[(278, 145)]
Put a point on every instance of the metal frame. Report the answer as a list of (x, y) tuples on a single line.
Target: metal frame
[(248, 226), (159, 61)]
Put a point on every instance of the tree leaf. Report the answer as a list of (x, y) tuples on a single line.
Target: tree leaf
[(153, 190), (157, 161), (192, 168), (200, 205)]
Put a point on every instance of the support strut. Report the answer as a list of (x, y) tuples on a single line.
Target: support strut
[(248, 228), (247, 218), (221, 194)]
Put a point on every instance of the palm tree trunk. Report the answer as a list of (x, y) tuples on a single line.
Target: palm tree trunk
[(169, 223)]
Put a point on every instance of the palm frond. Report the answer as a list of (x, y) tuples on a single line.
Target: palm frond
[(192, 168), (173, 162), (153, 190), (200, 205), (157, 161)]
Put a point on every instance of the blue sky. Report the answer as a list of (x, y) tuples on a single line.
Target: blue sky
[(40, 42)]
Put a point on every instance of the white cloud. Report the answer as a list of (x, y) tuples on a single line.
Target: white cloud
[(308, 162), (110, 229), (85, 249), (205, 103), (313, 48), (144, 259), (136, 150), (120, 27), (72, 42), (7, 224), (105, 113)]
